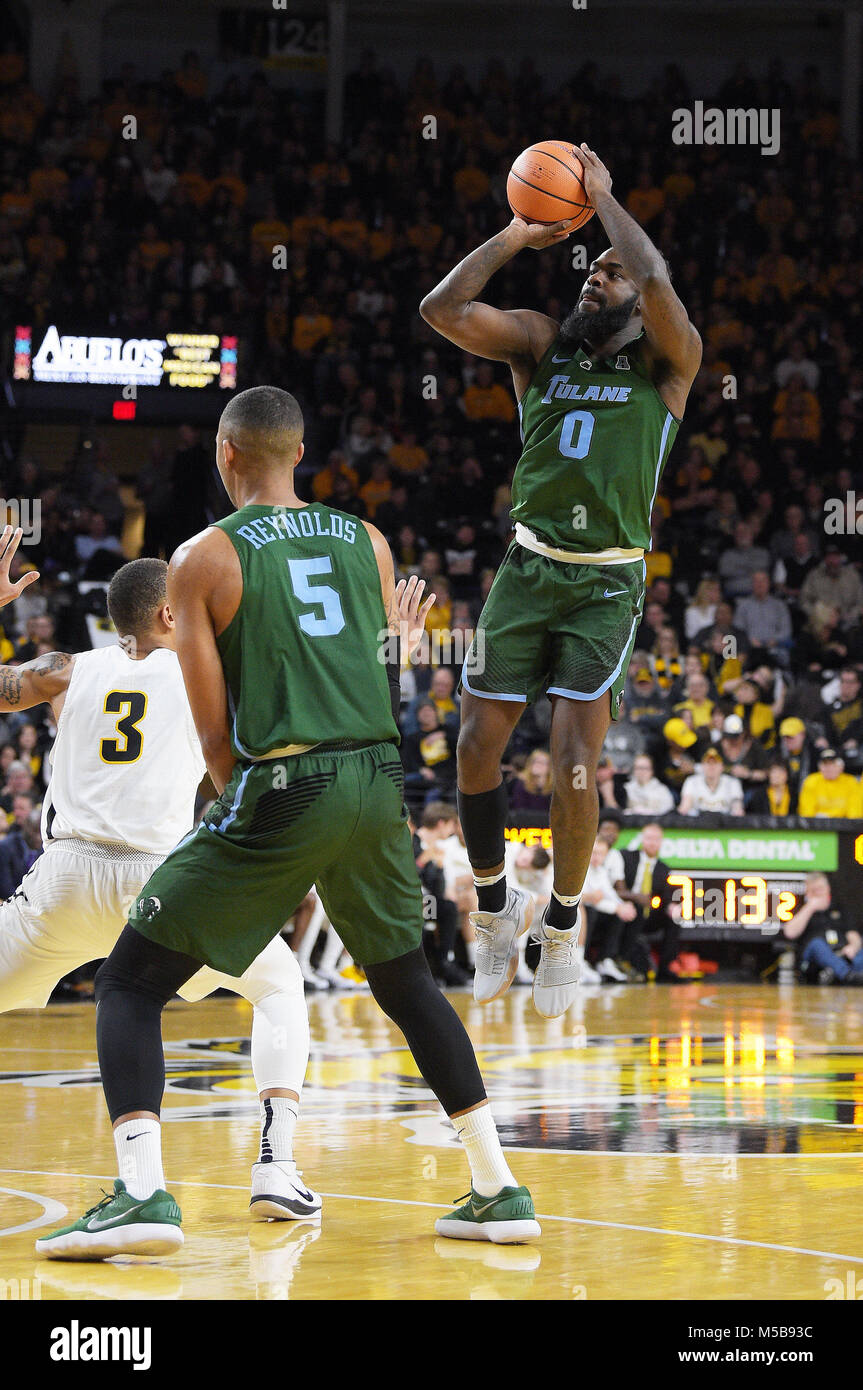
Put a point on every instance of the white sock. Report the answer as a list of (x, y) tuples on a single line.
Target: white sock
[(303, 952), (567, 902), (487, 882), (332, 953), (139, 1157), (488, 1168), (279, 1117)]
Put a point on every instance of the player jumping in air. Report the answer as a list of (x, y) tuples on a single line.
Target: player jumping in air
[(600, 398), (125, 767), (281, 611)]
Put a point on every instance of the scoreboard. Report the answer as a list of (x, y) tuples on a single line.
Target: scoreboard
[(731, 884), (743, 883), (722, 904)]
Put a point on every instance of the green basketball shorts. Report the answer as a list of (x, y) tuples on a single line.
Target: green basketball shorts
[(332, 818), (564, 628)]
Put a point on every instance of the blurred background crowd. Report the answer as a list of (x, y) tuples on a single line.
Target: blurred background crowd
[(229, 212)]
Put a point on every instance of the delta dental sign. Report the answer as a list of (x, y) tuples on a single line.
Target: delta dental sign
[(724, 849), (179, 359)]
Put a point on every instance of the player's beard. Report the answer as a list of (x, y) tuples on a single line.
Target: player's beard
[(596, 325)]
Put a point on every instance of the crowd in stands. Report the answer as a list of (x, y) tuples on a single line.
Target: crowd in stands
[(230, 212)]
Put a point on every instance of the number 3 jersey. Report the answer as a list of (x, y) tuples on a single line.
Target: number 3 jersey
[(126, 762), (596, 435), (304, 655)]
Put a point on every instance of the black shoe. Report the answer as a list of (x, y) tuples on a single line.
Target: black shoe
[(854, 977), (448, 973), (827, 976)]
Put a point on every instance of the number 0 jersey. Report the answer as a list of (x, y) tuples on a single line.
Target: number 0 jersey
[(126, 762), (595, 437), (303, 653)]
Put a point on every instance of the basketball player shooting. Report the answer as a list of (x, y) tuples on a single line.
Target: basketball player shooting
[(600, 398)]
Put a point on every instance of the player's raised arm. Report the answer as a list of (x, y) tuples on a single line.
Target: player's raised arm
[(195, 573), (503, 335), (672, 338), (45, 679)]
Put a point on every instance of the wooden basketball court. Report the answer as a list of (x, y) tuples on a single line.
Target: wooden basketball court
[(694, 1141)]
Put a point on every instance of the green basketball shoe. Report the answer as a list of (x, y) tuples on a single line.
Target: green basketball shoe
[(506, 1219), (118, 1225)]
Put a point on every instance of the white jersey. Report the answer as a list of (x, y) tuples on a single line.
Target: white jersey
[(126, 762), (727, 792)]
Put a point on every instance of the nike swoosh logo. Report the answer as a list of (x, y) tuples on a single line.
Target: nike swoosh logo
[(612, 593), (130, 1137), (114, 1220), (478, 1211), (560, 359)]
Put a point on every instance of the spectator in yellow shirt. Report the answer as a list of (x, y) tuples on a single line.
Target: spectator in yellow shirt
[(439, 616), (314, 219), (407, 455), (798, 414), (679, 185), (153, 247), (310, 326), (697, 700), (324, 480), (645, 201), (471, 183), (831, 791), (755, 713), (270, 231), (424, 235), (486, 399), (378, 488), (350, 231)]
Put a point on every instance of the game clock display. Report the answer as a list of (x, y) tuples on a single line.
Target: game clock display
[(728, 905)]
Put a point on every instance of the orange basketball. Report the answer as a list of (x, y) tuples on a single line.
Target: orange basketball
[(546, 184)]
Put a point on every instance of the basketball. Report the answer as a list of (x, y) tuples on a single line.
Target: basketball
[(546, 184)]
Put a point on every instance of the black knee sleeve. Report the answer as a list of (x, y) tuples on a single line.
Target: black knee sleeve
[(441, 1048), (132, 987), (483, 819)]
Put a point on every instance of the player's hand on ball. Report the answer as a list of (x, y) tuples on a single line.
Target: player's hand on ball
[(9, 542), (411, 612), (597, 179), (538, 235)]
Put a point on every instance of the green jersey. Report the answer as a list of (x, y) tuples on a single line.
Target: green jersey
[(596, 435), (302, 654)]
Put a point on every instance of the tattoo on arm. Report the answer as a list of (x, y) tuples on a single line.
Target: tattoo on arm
[(35, 682), (472, 274), (52, 661), (10, 685)]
